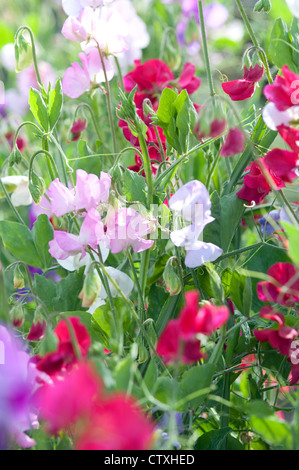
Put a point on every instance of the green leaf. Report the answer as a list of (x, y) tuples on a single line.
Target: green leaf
[(279, 50), (293, 235), (273, 431), (46, 290), (232, 209), (55, 104), (68, 290), (165, 104), (43, 233), (212, 440), (151, 375), (39, 108), (123, 373), (194, 380), (18, 240), (134, 187)]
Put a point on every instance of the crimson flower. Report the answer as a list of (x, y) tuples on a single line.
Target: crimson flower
[(282, 163), (65, 357), (242, 89), (291, 136), (284, 91), (256, 186), (77, 128), (234, 143), (283, 287), (37, 330)]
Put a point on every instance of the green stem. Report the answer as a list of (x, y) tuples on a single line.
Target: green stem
[(205, 48), (93, 114), (254, 38), (21, 29), (119, 72), (50, 158), (141, 306), (147, 168)]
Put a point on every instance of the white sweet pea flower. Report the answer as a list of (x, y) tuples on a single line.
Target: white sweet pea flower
[(273, 117), (18, 186), (294, 7), (124, 282)]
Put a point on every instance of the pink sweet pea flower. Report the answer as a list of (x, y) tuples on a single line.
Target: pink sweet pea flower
[(284, 91), (87, 194), (234, 143), (78, 80), (242, 89), (74, 30), (283, 287), (282, 163), (127, 228), (290, 135), (66, 244)]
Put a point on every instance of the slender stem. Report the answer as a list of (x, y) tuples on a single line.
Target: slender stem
[(109, 102), (66, 168), (211, 172), (254, 38), (205, 48), (119, 73), (147, 168), (5, 306), (33, 51), (50, 166), (141, 306), (93, 113)]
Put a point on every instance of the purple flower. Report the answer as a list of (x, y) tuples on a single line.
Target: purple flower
[(18, 383)]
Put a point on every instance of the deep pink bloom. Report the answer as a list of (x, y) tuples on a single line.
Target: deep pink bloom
[(216, 128), (65, 357), (69, 398), (116, 423), (290, 135), (282, 163), (172, 347), (205, 320), (284, 91), (280, 338), (283, 287), (77, 128), (234, 143), (188, 80), (66, 244), (125, 228), (256, 187), (242, 89), (37, 331)]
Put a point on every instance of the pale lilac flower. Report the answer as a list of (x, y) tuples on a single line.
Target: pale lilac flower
[(67, 244), (192, 202), (74, 7), (125, 228), (87, 194), (26, 79), (78, 80), (18, 383)]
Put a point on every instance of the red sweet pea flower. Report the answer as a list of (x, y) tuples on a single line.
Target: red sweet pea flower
[(172, 347), (282, 163), (280, 338), (77, 128), (242, 89), (116, 423), (256, 187), (154, 150), (69, 398), (188, 80), (205, 320), (234, 143), (37, 331), (64, 357), (284, 91), (291, 136), (283, 287)]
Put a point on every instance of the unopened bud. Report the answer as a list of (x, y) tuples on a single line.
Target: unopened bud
[(23, 54), (15, 157), (91, 288), (17, 315), (37, 187), (171, 278), (18, 279), (263, 5), (38, 327)]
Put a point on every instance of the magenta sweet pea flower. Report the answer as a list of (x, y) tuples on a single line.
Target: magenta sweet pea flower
[(242, 89), (127, 228), (67, 244), (78, 80), (282, 163), (283, 286), (234, 143)]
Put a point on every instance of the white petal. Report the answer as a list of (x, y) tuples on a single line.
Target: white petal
[(294, 7), (200, 253), (274, 118), (72, 7)]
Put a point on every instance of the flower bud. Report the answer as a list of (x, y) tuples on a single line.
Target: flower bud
[(17, 315), (38, 327), (171, 50), (37, 187), (263, 5), (18, 278), (15, 157), (171, 278), (91, 288), (23, 54)]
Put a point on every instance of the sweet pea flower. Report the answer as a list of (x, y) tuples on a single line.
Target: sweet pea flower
[(88, 192), (267, 227), (294, 7), (284, 91), (192, 200), (274, 118), (242, 89), (125, 228), (78, 80), (67, 244), (18, 378), (283, 286), (18, 186), (282, 163), (290, 135), (234, 143)]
